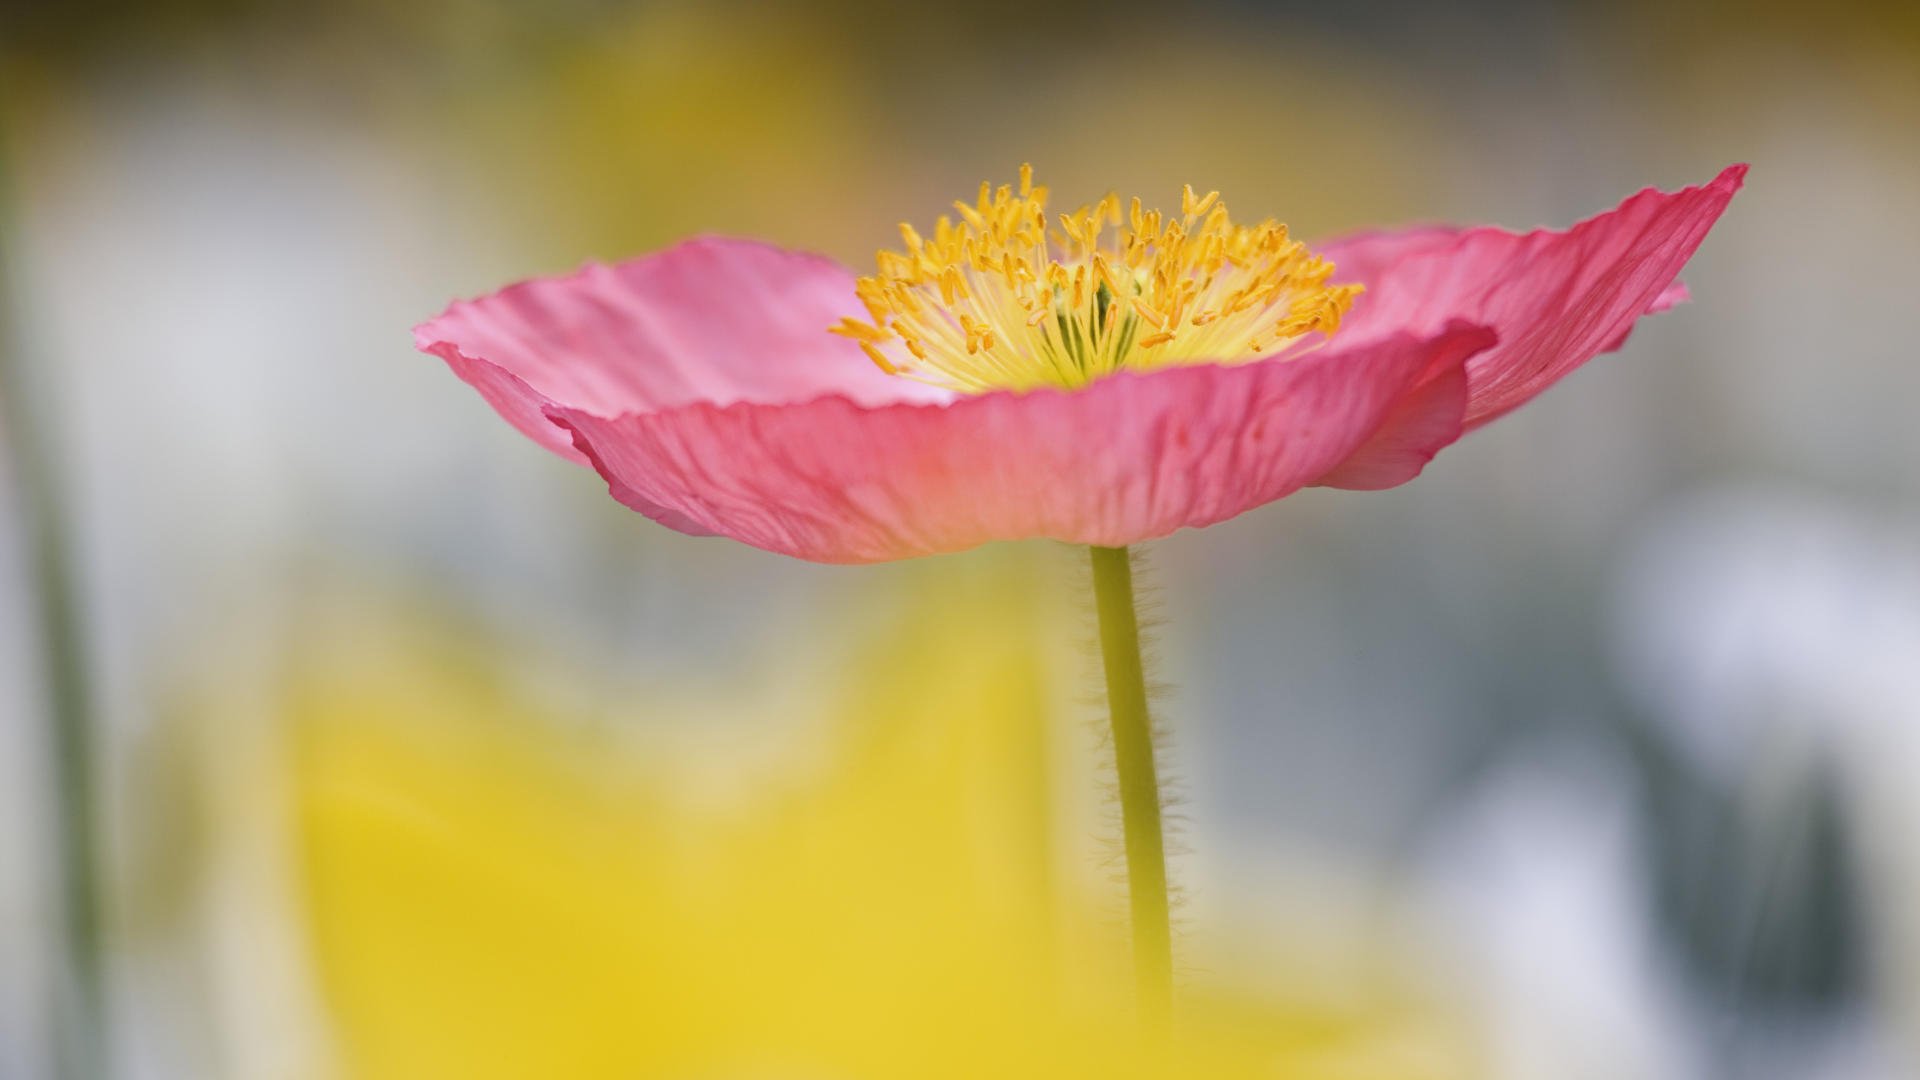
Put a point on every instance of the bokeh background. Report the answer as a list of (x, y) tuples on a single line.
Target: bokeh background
[(1589, 754)]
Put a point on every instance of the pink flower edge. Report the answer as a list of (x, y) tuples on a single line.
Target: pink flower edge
[(709, 319), (1130, 458), (1556, 298)]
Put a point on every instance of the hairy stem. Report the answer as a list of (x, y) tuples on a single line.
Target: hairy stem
[(1139, 779)]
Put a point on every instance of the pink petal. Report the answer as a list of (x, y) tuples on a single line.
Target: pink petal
[(1129, 458), (1430, 417), (1556, 299), (710, 320)]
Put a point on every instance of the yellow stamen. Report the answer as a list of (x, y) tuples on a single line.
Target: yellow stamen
[(879, 358), (1003, 300)]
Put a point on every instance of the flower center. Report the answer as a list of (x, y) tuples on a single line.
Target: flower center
[(1005, 300)]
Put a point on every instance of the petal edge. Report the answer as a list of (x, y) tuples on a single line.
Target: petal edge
[(1556, 298), (1132, 457)]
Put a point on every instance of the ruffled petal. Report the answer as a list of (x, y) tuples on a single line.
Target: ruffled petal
[(1129, 458), (710, 320), (1556, 299), (1429, 417)]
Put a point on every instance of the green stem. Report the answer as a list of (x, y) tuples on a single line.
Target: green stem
[(1139, 780), (80, 1044)]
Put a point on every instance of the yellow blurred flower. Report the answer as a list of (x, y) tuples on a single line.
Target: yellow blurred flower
[(496, 897)]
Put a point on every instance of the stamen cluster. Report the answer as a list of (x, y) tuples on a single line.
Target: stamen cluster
[(1005, 299)]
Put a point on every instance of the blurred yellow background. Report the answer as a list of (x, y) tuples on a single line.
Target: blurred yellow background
[(1585, 755)]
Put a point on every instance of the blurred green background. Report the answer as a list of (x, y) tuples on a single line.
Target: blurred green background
[(1589, 754)]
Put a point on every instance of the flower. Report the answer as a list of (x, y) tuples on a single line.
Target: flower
[(1101, 378), (496, 890)]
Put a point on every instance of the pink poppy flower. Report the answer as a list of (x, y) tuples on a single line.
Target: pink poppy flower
[(1103, 377)]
